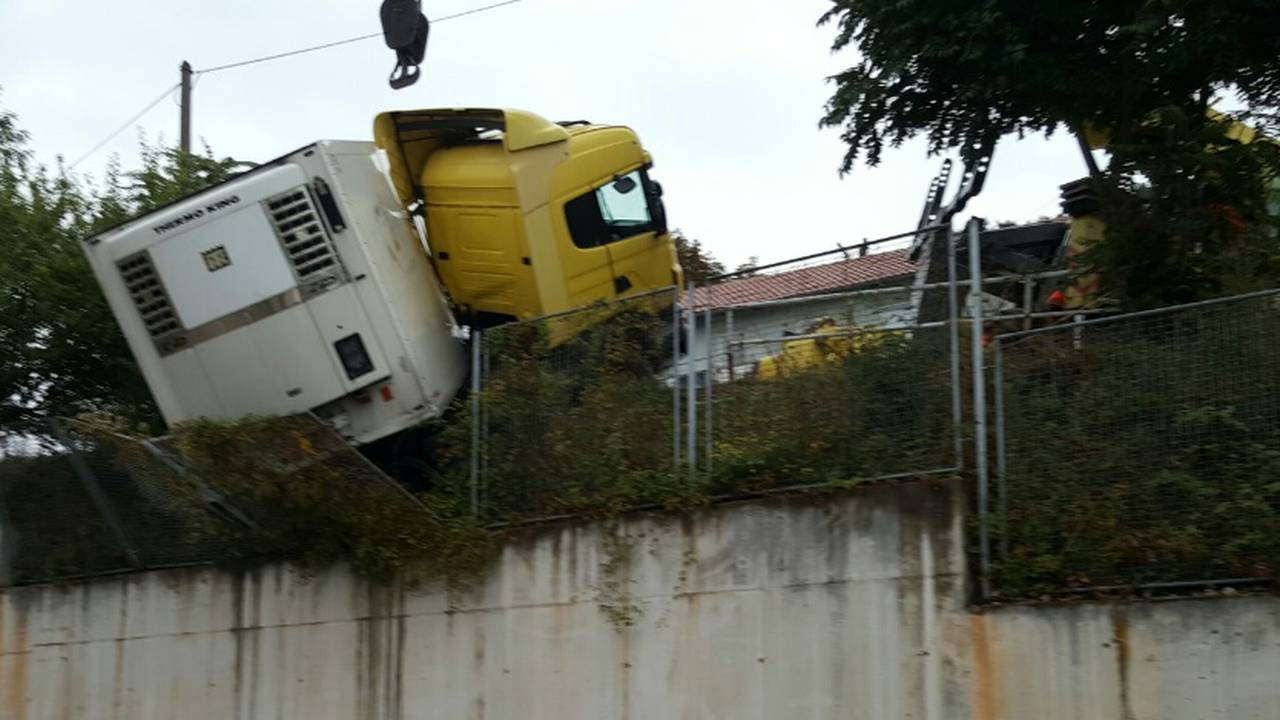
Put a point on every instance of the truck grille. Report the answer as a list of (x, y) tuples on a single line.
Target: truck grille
[(151, 301), (305, 240)]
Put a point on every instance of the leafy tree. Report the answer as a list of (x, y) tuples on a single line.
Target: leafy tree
[(966, 72), (61, 352), (698, 264), (1188, 214)]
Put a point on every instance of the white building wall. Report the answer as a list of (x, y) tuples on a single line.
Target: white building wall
[(775, 322)]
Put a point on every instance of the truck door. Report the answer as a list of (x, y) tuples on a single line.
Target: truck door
[(639, 250), (588, 271)]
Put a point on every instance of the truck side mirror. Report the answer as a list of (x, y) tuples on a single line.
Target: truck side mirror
[(657, 211)]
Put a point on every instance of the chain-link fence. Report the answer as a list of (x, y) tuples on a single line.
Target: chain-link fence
[(1141, 449), (1128, 450), (85, 500)]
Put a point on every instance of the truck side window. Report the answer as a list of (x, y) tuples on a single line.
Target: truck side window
[(614, 212), (586, 223)]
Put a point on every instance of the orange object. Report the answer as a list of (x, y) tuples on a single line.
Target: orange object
[(1057, 300), (387, 395)]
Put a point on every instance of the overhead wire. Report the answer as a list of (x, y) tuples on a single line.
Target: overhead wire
[(336, 43), (278, 56), (131, 122), (197, 74)]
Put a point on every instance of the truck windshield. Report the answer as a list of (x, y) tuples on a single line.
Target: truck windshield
[(623, 203)]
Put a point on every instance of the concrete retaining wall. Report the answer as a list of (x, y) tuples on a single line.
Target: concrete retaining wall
[(852, 607)]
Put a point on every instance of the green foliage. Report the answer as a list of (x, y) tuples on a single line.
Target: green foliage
[(577, 427), (613, 595), (879, 412), (586, 427), (61, 352), (58, 532), (314, 501), (697, 263), (1189, 214)]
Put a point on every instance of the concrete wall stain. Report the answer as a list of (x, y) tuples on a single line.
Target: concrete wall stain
[(1120, 630), (988, 673), (15, 660)]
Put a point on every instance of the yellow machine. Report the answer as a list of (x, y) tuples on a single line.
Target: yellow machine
[(808, 353), (526, 217)]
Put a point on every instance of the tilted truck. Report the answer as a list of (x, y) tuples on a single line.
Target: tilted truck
[(338, 279)]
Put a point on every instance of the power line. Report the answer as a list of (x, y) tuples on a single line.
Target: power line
[(277, 56), (138, 116), (473, 11), (348, 41), (133, 120)]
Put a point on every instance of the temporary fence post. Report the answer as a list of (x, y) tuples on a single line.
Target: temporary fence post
[(979, 403), (486, 372), (675, 380), (729, 344), (99, 498), (953, 339), (710, 411), (1028, 294), (691, 381), (477, 341), (1002, 487)]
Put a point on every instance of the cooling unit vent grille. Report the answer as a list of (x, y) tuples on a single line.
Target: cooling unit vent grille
[(148, 296), (305, 240)]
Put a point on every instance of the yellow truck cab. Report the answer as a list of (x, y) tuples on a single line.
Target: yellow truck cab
[(526, 217)]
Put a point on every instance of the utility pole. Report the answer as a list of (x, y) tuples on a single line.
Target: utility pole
[(184, 136)]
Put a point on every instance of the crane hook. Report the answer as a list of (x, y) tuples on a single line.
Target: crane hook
[(405, 30)]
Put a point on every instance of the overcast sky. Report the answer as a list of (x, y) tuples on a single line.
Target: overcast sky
[(726, 95)]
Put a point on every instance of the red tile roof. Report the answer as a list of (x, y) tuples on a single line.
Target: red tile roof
[(807, 281)]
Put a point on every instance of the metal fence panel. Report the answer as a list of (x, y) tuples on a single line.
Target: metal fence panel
[(575, 411), (92, 503), (835, 401), (89, 501), (820, 370), (1140, 449), (808, 372)]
